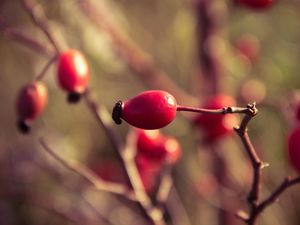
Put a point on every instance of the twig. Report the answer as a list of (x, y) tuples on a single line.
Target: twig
[(45, 68), (256, 163), (88, 175), (287, 183), (26, 40), (225, 110), (38, 17), (137, 60)]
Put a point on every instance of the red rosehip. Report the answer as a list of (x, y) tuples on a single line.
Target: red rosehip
[(149, 110), (255, 4), (157, 147), (248, 46), (216, 125), (294, 148), (298, 112), (73, 72), (30, 103), (147, 143), (172, 149)]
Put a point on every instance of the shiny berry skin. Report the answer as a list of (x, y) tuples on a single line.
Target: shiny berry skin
[(256, 4), (149, 110), (73, 71), (30, 103), (293, 143), (216, 126)]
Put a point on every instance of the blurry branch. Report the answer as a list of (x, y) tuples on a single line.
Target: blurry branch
[(210, 16), (125, 154), (26, 40), (88, 175), (165, 186), (50, 207), (45, 68), (137, 60), (37, 15)]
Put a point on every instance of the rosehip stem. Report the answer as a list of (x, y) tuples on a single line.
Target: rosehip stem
[(41, 75), (225, 110)]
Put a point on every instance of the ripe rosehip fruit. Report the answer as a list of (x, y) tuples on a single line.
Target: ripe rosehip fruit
[(149, 110), (30, 104), (216, 126), (255, 4), (151, 144), (73, 73), (294, 148), (248, 46)]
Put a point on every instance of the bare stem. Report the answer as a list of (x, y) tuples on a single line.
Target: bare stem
[(41, 75), (286, 183), (37, 15), (88, 175), (225, 110), (26, 40)]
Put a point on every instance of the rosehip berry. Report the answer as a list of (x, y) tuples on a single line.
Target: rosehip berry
[(30, 104), (149, 110), (294, 148), (147, 143), (248, 46), (73, 73), (157, 147), (216, 126), (255, 4)]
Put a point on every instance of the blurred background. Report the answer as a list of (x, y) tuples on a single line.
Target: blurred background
[(193, 49)]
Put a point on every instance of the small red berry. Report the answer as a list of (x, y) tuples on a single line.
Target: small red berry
[(31, 102), (147, 143), (149, 110), (256, 4), (73, 73), (248, 46), (216, 125), (151, 144), (294, 148)]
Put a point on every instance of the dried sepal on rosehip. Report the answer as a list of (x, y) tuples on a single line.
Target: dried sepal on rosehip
[(31, 101), (293, 143), (216, 126), (73, 73), (149, 110)]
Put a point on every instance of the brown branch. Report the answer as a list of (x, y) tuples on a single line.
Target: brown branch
[(287, 183), (37, 15), (45, 68), (256, 163), (88, 175), (26, 40), (137, 60)]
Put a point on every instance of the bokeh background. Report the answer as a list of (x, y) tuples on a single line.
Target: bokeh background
[(35, 189)]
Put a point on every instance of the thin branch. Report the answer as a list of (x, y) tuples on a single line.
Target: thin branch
[(287, 183), (45, 68), (37, 15), (26, 40), (225, 110), (88, 175), (256, 163)]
